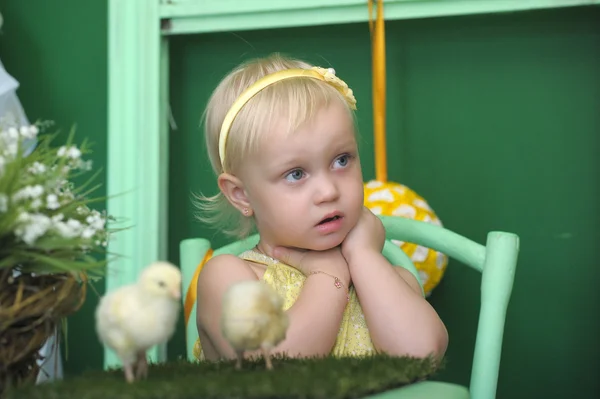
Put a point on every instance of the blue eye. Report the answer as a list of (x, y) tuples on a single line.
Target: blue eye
[(294, 175), (343, 161)]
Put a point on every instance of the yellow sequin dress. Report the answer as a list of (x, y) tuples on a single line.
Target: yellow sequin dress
[(353, 337)]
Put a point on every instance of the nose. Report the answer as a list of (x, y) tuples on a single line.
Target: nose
[(327, 190)]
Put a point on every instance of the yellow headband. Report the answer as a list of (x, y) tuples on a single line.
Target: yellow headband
[(326, 75)]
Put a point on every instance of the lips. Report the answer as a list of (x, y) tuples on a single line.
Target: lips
[(331, 217), (331, 223)]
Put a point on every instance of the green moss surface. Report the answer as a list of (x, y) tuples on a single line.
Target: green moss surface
[(329, 378)]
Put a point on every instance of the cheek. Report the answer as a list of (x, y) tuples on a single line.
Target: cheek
[(357, 187), (279, 207), (285, 218), (357, 198)]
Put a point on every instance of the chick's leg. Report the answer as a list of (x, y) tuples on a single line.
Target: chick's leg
[(142, 365), (240, 357), (128, 368), (267, 355)]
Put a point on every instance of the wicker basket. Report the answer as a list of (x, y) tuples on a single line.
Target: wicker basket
[(31, 308)]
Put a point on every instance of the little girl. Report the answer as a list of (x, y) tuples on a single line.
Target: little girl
[(281, 138)]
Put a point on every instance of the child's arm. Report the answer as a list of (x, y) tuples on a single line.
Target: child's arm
[(313, 327), (400, 320)]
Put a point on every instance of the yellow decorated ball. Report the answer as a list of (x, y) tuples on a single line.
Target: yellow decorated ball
[(394, 199)]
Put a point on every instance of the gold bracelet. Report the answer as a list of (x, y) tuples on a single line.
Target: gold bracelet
[(337, 282)]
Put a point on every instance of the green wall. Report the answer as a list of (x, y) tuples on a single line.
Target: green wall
[(57, 51), (494, 119)]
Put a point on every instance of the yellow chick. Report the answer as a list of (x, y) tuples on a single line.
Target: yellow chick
[(252, 317), (135, 317)]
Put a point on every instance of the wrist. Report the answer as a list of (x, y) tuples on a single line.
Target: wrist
[(362, 257), (342, 276), (334, 270), (335, 282)]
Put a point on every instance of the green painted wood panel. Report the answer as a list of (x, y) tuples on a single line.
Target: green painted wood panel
[(202, 16), (57, 50), (494, 119)]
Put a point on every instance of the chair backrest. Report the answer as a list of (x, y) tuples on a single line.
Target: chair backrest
[(496, 260)]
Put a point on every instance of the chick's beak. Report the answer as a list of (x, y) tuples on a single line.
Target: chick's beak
[(176, 293)]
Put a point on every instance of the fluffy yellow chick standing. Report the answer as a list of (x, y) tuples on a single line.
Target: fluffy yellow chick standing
[(252, 317), (133, 318)]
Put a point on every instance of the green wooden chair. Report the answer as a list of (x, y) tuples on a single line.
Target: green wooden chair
[(496, 261)]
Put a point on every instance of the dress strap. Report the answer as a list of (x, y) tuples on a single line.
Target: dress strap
[(257, 257)]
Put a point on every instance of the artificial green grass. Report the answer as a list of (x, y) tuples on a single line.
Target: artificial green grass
[(327, 378)]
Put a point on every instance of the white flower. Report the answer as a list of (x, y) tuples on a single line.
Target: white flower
[(95, 220), (23, 217), (12, 134), (37, 191), (37, 168), (62, 183), (28, 132), (32, 192), (36, 204), (65, 230), (32, 226), (3, 203), (84, 165), (9, 142), (74, 153), (64, 192), (11, 149), (88, 232), (74, 224), (52, 201), (69, 152), (69, 229), (24, 130)]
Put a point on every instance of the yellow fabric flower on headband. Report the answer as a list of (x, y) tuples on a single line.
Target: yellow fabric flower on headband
[(330, 77)]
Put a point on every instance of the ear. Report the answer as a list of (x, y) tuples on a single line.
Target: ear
[(233, 189)]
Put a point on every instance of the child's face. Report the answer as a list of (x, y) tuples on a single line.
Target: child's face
[(298, 180)]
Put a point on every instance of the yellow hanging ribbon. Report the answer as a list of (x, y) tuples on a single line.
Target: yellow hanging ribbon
[(192, 291), (377, 30)]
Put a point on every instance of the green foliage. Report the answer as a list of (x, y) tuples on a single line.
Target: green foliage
[(327, 378), (46, 223)]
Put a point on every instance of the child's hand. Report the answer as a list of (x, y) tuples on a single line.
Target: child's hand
[(367, 236), (331, 261)]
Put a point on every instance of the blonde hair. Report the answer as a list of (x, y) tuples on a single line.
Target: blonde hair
[(296, 99)]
